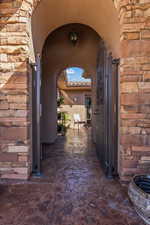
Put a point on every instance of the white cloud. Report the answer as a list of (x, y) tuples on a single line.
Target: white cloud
[(70, 71)]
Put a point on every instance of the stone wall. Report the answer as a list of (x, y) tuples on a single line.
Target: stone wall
[(14, 89), (135, 87)]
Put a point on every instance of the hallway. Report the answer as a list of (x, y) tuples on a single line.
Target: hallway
[(73, 190)]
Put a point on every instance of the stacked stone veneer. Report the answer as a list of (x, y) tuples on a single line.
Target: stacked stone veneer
[(135, 87), (15, 111)]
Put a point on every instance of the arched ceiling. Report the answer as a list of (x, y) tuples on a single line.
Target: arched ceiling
[(59, 53), (101, 15)]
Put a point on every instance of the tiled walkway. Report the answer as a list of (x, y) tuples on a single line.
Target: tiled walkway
[(74, 191)]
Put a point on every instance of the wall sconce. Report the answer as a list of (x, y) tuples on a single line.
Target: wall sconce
[(75, 99), (73, 37)]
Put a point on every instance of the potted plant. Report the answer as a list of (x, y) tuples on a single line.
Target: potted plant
[(62, 117), (139, 193)]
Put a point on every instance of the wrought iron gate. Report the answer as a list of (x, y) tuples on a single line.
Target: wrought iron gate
[(107, 112)]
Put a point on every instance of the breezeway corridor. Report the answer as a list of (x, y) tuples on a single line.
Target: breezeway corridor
[(72, 191)]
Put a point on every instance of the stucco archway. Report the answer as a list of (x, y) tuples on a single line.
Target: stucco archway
[(59, 54), (94, 14), (91, 54), (102, 16)]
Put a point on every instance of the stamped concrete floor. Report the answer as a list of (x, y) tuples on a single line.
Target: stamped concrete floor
[(73, 190)]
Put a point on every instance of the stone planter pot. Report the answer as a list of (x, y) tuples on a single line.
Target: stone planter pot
[(139, 193)]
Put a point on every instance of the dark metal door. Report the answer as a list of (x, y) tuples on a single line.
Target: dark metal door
[(36, 114), (107, 116), (115, 106), (99, 105), (102, 107)]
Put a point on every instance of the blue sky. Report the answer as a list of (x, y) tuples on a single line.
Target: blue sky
[(75, 74)]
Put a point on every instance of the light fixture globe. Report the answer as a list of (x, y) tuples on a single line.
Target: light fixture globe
[(73, 37)]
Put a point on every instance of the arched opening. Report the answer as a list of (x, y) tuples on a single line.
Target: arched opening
[(101, 16), (61, 54), (51, 41), (78, 45), (74, 99)]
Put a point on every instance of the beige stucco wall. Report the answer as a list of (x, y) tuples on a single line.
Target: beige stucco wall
[(99, 15), (79, 94)]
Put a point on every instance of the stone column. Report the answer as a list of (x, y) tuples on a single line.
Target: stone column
[(14, 89), (135, 87)]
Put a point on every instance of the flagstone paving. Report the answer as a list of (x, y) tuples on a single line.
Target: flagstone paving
[(72, 191)]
